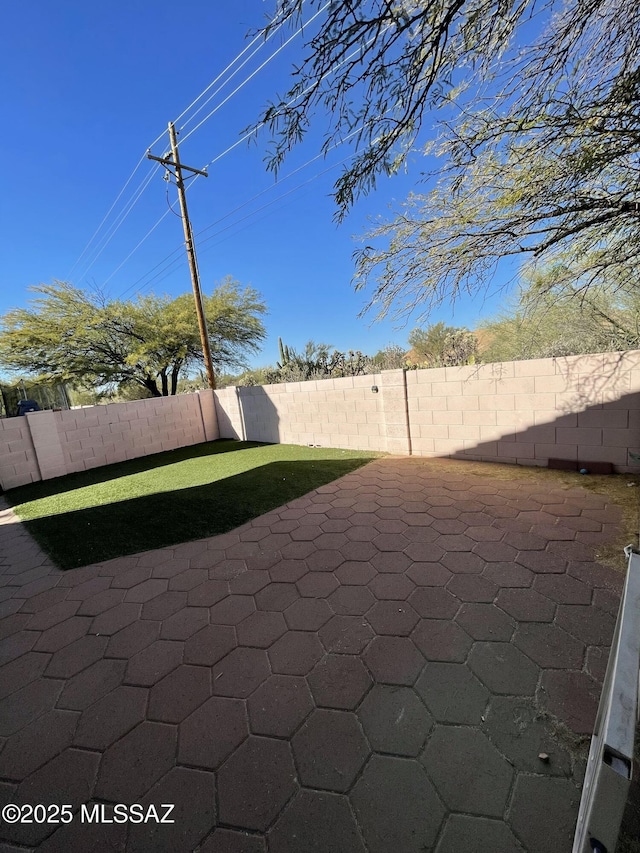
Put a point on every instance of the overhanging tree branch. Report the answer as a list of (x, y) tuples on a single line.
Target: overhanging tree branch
[(538, 148)]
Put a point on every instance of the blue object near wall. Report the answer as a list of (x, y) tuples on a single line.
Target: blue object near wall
[(25, 406)]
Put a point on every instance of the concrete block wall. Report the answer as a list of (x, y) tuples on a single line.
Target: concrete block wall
[(101, 435), (327, 412), (48, 444), (18, 462), (578, 408), (397, 427), (581, 408)]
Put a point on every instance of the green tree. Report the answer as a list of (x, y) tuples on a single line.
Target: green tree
[(392, 357), (554, 318), (246, 378), (537, 140), (542, 197), (440, 345), (70, 334)]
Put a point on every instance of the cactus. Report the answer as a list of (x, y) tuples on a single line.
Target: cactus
[(285, 354)]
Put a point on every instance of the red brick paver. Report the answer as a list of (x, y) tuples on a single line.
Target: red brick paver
[(373, 667)]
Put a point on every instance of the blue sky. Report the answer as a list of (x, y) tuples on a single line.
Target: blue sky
[(87, 87)]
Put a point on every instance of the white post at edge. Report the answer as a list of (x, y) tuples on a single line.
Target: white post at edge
[(608, 775)]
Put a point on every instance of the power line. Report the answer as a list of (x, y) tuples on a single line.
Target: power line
[(213, 83), (173, 260), (106, 216), (286, 177), (313, 85), (132, 203), (257, 37), (176, 255), (135, 249), (106, 239), (253, 73), (216, 92), (235, 210), (222, 85), (230, 213), (274, 201)]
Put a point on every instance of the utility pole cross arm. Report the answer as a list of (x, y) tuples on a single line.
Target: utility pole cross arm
[(168, 161)]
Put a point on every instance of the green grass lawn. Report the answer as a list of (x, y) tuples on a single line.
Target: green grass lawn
[(171, 497)]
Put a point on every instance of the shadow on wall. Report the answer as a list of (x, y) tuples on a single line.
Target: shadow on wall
[(248, 411), (599, 434)]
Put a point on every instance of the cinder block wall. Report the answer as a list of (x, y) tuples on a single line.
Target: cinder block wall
[(579, 408), (582, 408), (18, 462), (48, 444), (328, 412)]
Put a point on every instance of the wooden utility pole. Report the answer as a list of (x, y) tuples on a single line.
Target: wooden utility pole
[(172, 162)]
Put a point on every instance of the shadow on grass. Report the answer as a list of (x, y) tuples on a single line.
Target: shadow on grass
[(92, 535), (107, 473)]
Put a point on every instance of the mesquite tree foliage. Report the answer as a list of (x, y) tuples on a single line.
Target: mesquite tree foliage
[(72, 334), (529, 114)]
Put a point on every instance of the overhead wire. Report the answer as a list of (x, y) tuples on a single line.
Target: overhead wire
[(257, 37), (177, 251), (224, 83), (235, 144), (162, 274), (275, 200), (171, 259), (304, 92), (169, 205), (251, 133), (256, 71), (115, 226), (107, 239), (106, 216), (285, 178), (135, 249)]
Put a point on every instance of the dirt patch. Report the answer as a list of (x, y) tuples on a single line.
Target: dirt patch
[(621, 490)]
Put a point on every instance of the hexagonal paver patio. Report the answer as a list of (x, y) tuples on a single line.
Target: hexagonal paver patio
[(377, 666)]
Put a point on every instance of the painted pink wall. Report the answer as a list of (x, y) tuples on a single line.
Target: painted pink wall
[(579, 408), (47, 444), (582, 408)]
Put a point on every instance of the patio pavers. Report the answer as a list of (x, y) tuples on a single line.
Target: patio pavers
[(374, 667)]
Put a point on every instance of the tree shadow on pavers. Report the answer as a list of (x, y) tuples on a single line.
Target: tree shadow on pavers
[(95, 534)]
